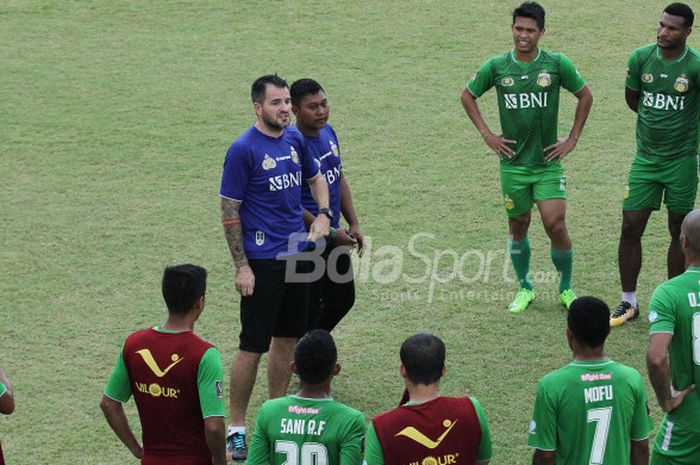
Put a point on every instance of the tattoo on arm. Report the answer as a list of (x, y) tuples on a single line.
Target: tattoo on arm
[(232, 229)]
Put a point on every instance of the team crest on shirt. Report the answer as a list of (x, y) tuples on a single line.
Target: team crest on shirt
[(544, 79), (294, 155), (681, 84), (334, 148), (507, 81), (509, 203), (533, 426), (646, 77), (653, 316), (627, 192), (259, 238), (268, 162)]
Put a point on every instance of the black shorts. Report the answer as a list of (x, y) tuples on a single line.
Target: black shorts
[(276, 308), (333, 295)]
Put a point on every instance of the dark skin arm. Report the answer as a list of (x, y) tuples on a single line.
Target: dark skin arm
[(544, 457), (639, 452), (215, 435), (632, 99), (658, 367), (114, 413), (348, 210), (7, 400), (495, 141), (556, 152)]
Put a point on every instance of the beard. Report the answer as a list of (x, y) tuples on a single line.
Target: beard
[(273, 124)]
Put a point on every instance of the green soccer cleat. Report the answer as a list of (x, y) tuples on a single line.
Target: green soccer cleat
[(566, 297), (522, 300)]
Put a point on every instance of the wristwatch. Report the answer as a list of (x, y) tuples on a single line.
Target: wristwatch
[(327, 212)]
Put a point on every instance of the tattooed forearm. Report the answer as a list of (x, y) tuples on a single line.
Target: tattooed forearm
[(232, 229)]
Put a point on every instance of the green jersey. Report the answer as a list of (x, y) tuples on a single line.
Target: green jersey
[(3, 389), (589, 411), (295, 430), (667, 116), (675, 309), (528, 99)]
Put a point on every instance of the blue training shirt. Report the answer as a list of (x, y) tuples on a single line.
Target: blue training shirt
[(266, 175), (326, 150)]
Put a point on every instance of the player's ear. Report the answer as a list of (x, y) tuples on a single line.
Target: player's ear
[(257, 106), (402, 370), (444, 370), (294, 368), (336, 369), (295, 110)]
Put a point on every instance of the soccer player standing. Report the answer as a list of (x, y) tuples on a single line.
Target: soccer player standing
[(673, 358), (333, 295), (7, 402), (429, 428), (309, 427), (663, 88), (528, 81), (594, 410), (262, 214), (176, 380)]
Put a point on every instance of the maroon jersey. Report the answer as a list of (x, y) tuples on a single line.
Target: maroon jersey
[(163, 370), (445, 429)]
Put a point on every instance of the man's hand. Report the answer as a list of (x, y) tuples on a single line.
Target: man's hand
[(557, 152), (245, 280), (354, 231), (343, 237), (319, 228), (499, 145), (676, 399)]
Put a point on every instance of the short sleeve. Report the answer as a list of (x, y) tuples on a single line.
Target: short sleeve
[(373, 450), (662, 317), (3, 389), (484, 451), (236, 173), (210, 378), (351, 444), (310, 165), (482, 80), (633, 74), (543, 426), (642, 424), (259, 452), (571, 79), (119, 385)]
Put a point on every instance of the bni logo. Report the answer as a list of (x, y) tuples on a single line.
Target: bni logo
[(511, 101)]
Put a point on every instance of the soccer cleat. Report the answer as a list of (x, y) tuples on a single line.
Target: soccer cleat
[(236, 446), (566, 297), (624, 312), (522, 300)]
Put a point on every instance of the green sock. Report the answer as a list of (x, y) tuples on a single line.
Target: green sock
[(563, 261), (520, 256)]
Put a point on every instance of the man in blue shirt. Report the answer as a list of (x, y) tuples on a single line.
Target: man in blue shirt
[(333, 295), (262, 217)]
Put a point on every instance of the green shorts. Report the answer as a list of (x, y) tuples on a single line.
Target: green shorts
[(649, 179), (675, 445), (522, 186)]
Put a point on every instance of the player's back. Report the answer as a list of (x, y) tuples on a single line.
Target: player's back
[(589, 411), (675, 308), (297, 430)]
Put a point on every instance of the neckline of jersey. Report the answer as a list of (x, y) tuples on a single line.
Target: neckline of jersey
[(591, 363), (270, 137), (670, 62), (693, 269), (313, 398), (513, 57), (159, 329)]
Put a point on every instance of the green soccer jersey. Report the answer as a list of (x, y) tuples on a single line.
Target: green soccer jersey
[(675, 309), (588, 412), (528, 99), (667, 116), (297, 430)]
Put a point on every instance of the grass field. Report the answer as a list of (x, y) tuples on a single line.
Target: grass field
[(115, 120)]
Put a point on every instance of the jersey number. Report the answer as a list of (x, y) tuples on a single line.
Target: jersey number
[(696, 338), (312, 453), (601, 416)]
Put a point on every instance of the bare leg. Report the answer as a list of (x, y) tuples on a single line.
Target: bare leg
[(518, 226), (553, 213), (279, 370), (629, 252), (243, 372), (675, 261)]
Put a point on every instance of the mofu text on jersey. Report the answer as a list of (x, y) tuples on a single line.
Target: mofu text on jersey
[(302, 426), (598, 393)]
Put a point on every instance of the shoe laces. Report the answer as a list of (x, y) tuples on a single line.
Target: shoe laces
[(238, 440), (622, 309)]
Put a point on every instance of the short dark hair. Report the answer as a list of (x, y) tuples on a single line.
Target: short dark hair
[(257, 90), (589, 319), (183, 286), (530, 10), (315, 356), (682, 10), (303, 87), (423, 356)]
